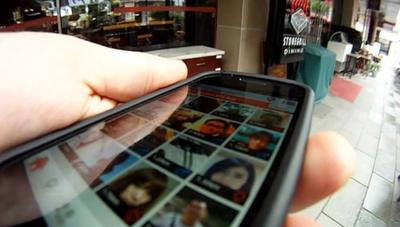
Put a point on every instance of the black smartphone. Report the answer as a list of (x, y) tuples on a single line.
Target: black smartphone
[(219, 149)]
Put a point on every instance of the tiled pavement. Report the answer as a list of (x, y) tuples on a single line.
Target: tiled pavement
[(372, 125)]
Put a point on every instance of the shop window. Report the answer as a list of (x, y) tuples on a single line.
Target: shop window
[(123, 24), (28, 15)]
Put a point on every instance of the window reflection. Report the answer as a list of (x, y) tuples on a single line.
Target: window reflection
[(133, 24), (30, 15), (141, 25)]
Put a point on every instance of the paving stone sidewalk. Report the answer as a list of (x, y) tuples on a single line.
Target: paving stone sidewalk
[(372, 125)]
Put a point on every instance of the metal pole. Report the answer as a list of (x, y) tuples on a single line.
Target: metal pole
[(59, 27)]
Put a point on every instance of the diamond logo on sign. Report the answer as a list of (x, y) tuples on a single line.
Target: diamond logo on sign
[(299, 21)]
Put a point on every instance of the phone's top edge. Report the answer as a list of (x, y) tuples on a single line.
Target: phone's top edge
[(292, 82), (40, 141)]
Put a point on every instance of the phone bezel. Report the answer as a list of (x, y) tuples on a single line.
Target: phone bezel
[(280, 182)]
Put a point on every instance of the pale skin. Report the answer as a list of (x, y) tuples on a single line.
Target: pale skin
[(50, 81), (234, 177), (135, 196)]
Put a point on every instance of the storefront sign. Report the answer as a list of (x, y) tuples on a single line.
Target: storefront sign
[(299, 21), (293, 44), (295, 31), (287, 31)]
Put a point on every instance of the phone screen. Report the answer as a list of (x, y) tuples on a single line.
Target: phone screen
[(196, 156)]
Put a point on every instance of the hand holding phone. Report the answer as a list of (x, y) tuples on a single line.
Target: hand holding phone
[(219, 144), (37, 164)]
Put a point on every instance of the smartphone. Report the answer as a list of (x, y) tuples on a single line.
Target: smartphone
[(219, 149)]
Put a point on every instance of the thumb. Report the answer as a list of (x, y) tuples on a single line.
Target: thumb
[(300, 221)]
